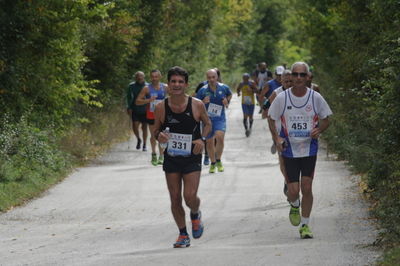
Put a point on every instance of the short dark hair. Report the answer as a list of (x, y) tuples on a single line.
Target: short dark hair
[(178, 71), (155, 71)]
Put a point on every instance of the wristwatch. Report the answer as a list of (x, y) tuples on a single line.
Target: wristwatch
[(203, 139)]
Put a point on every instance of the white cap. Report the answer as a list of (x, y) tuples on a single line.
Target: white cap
[(279, 70)]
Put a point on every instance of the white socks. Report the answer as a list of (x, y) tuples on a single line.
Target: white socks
[(296, 203), (304, 220)]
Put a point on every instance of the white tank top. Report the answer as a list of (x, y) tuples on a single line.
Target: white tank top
[(298, 119)]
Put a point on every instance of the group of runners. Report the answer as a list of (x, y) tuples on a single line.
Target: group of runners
[(185, 126)]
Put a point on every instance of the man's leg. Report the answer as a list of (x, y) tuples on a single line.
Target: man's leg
[(153, 144), (283, 171), (245, 116), (219, 136), (306, 206), (153, 141), (135, 127), (144, 129), (251, 113), (211, 153), (220, 139), (307, 198), (292, 168), (307, 172), (191, 185), (174, 183)]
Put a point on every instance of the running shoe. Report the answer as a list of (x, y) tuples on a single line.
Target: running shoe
[(220, 167), (197, 227), (183, 241), (139, 141), (294, 216), (273, 148), (305, 232), (212, 169), (144, 147), (154, 160), (160, 160), (206, 160)]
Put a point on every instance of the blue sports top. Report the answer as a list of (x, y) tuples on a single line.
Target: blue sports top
[(215, 109), (273, 85)]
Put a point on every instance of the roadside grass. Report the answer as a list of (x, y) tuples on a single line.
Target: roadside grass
[(33, 160), (391, 257)]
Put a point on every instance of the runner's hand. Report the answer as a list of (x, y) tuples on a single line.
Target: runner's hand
[(163, 137), (153, 98), (225, 102), (264, 114), (198, 146), (315, 133), (279, 144), (206, 99)]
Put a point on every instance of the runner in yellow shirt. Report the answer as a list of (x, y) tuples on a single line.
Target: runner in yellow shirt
[(248, 89)]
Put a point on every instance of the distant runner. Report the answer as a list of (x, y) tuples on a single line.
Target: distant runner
[(137, 112), (199, 86), (150, 95), (248, 89), (216, 96), (286, 84)]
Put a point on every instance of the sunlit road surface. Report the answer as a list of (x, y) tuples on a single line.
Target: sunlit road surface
[(116, 211)]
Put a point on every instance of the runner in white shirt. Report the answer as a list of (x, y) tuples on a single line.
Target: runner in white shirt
[(286, 84), (304, 116)]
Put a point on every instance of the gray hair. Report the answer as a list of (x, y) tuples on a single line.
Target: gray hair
[(286, 72), (139, 73), (301, 64)]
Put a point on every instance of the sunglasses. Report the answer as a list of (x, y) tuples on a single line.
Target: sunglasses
[(301, 74)]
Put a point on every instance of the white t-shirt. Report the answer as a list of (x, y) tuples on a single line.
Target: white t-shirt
[(262, 79), (278, 90), (298, 116)]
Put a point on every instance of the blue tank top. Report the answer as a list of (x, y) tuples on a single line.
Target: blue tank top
[(273, 85)]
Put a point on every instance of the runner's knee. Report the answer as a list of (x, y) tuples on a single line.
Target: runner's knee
[(306, 186)]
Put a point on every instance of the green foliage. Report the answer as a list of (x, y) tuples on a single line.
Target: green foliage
[(41, 58)]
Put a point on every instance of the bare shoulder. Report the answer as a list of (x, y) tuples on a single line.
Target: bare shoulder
[(196, 102)]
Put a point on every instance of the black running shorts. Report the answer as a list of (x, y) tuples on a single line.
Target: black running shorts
[(181, 164), (139, 117), (296, 167)]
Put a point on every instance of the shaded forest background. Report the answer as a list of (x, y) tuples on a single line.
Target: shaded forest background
[(65, 66)]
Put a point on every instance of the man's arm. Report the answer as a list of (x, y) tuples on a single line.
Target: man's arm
[(141, 99), (158, 121), (323, 125), (274, 132), (129, 100), (201, 113), (253, 87), (239, 87), (261, 96), (272, 97)]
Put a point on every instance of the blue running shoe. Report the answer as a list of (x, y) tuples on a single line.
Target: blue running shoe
[(183, 241), (197, 227), (206, 160)]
